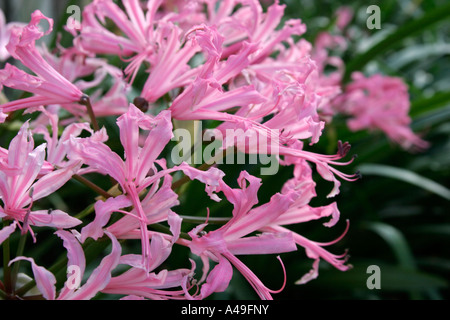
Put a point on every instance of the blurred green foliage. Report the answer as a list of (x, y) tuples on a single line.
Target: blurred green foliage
[(402, 227)]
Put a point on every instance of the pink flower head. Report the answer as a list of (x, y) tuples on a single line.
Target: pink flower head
[(300, 211), (344, 16), (20, 185), (57, 146), (137, 28), (380, 102), (75, 66), (224, 244), (137, 172), (48, 86), (5, 32)]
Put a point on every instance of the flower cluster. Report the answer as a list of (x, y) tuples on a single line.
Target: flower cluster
[(151, 66)]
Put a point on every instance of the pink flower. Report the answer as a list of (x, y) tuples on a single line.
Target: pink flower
[(76, 66), (344, 17), (18, 188), (287, 90), (57, 146), (48, 85), (5, 32), (224, 244), (380, 103), (134, 174), (300, 212)]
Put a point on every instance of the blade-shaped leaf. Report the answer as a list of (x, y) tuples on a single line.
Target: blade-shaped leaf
[(407, 176)]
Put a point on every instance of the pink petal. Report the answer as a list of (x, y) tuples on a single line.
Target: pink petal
[(51, 182), (75, 255), (45, 280), (53, 218), (103, 211), (267, 243), (101, 276), (7, 231), (218, 279)]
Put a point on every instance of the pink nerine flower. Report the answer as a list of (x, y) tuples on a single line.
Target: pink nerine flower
[(224, 244), (75, 66), (344, 16), (380, 102), (300, 211), (134, 174), (5, 32), (18, 188), (137, 27), (48, 85)]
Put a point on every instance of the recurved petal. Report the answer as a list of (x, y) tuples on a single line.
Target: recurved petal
[(218, 279), (45, 280), (103, 211), (267, 243), (51, 182), (7, 231), (101, 276)]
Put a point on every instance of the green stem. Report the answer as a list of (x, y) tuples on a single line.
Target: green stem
[(87, 211), (3, 295), (20, 249), (194, 219), (6, 259), (87, 102), (91, 185), (163, 229)]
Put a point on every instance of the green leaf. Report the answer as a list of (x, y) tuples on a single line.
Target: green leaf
[(396, 241), (429, 104), (392, 278), (402, 32), (406, 176)]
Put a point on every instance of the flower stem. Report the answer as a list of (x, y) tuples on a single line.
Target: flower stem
[(87, 102), (87, 211), (163, 229), (91, 185), (20, 249), (6, 259), (194, 219)]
